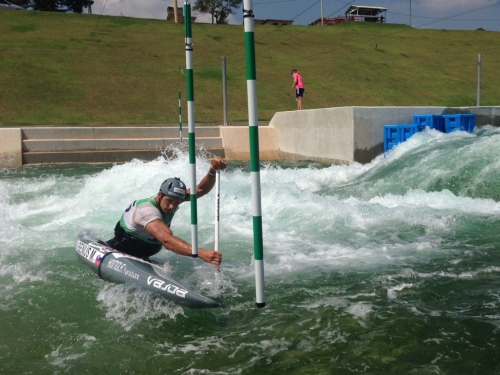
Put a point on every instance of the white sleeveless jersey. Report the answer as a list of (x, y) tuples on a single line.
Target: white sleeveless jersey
[(139, 214)]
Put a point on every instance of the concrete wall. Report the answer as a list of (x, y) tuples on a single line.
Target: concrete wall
[(316, 134), (347, 134), (485, 115), (339, 135), (236, 143), (11, 155), (333, 135)]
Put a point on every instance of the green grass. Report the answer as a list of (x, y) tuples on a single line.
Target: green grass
[(88, 69)]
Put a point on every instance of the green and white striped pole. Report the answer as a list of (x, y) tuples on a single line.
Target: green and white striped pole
[(180, 116), (191, 128), (254, 151)]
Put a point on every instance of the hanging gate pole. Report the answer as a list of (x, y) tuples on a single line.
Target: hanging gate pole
[(224, 89), (180, 116), (191, 126), (479, 62), (254, 151)]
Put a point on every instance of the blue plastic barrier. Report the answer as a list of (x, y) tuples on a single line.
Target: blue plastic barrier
[(407, 130), (465, 122), (432, 121), (391, 136), (395, 134)]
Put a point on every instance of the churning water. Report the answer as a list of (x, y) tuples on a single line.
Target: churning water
[(389, 267)]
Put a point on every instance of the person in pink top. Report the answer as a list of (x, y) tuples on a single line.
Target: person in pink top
[(298, 84)]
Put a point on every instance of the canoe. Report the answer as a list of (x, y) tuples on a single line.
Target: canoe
[(117, 267)]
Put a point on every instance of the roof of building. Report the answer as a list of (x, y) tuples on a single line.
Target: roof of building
[(361, 10), (273, 22)]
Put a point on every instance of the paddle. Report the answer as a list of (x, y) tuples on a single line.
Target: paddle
[(217, 211)]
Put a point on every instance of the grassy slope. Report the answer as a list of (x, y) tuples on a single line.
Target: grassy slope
[(89, 69)]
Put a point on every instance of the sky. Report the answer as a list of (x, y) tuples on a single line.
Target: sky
[(425, 14)]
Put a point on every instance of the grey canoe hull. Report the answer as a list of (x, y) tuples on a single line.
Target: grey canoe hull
[(117, 267)]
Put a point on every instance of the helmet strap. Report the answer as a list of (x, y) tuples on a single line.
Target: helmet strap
[(159, 202)]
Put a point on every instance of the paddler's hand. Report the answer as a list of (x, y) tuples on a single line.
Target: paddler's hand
[(210, 256), (217, 164)]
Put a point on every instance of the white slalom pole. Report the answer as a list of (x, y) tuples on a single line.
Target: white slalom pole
[(253, 123), (479, 62), (191, 127), (180, 116), (217, 209), (217, 212)]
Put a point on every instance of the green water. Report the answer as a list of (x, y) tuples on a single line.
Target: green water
[(390, 267)]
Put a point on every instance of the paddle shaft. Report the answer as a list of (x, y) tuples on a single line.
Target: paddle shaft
[(217, 211)]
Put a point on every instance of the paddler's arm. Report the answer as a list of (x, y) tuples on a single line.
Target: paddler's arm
[(162, 233), (208, 182)]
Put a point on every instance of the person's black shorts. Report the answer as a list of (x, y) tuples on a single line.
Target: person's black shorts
[(124, 242), (299, 92)]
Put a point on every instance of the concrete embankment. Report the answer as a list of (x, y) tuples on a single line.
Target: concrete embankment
[(332, 135), (75, 144), (348, 134)]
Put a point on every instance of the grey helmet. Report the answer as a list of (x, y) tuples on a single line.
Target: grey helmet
[(174, 187)]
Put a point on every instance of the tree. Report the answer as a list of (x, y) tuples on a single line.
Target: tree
[(219, 9), (75, 6), (22, 3), (46, 5)]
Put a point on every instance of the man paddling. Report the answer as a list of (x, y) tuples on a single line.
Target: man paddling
[(145, 225)]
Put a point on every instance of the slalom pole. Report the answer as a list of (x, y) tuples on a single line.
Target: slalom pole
[(217, 212), (191, 127), (217, 209), (253, 127), (180, 116), (478, 98)]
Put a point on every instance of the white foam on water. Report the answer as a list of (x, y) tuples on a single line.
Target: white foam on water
[(88, 340), (63, 361), (409, 274), (335, 302), (360, 310), (426, 137), (310, 222), (392, 293), (196, 371), (290, 195), (128, 306), (212, 283), (197, 346), (443, 200)]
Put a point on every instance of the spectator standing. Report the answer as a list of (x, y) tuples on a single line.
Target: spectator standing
[(298, 84)]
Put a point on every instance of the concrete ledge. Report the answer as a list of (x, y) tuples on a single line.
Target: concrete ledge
[(11, 155), (119, 132), (93, 157), (236, 142), (47, 145)]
